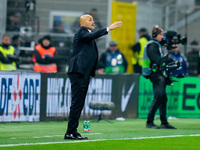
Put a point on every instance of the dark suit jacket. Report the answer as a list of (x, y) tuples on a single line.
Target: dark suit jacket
[(85, 53)]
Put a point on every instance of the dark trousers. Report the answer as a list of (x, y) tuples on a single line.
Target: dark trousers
[(79, 87), (160, 98)]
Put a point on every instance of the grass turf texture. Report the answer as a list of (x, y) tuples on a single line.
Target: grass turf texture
[(116, 135)]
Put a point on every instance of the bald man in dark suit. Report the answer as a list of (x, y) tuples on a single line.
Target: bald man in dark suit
[(83, 65)]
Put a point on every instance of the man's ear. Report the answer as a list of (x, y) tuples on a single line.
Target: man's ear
[(82, 24)]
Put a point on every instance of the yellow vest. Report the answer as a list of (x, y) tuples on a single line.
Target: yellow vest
[(5, 52), (138, 56)]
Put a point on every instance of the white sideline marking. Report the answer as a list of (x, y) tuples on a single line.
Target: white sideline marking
[(78, 141), (49, 136)]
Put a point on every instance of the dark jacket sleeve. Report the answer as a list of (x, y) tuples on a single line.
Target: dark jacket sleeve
[(125, 63), (136, 47), (5, 60), (53, 59), (154, 54), (41, 60), (101, 62), (85, 35), (185, 64)]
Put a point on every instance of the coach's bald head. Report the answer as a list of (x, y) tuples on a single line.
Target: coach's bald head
[(87, 21)]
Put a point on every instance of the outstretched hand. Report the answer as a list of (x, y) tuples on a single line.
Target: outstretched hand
[(115, 25)]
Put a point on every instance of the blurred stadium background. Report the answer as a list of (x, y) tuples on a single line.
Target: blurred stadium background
[(33, 19)]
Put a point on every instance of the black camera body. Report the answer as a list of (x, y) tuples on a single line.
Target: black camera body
[(171, 37), (169, 66)]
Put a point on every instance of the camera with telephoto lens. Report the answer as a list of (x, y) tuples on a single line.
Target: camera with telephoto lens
[(166, 69), (169, 66), (171, 37)]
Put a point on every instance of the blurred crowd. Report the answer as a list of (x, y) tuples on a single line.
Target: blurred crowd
[(46, 56), (112, 61)]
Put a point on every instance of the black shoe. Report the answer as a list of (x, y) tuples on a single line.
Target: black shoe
[(70, 137), (80, 137), (75, 136), (167, 126), (152, 126)]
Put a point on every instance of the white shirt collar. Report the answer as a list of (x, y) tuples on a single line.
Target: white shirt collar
[(89, 30)]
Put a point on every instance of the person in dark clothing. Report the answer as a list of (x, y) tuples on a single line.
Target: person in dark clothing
[(112, 61), (138, 50), (94, 13), (178, 56), (82, 65), (153, 60), (44, 56), (16, 41), (194, 60)]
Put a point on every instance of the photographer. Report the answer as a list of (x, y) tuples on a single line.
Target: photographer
[(153, 60)]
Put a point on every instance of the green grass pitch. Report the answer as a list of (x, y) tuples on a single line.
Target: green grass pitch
[(123, 135)]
